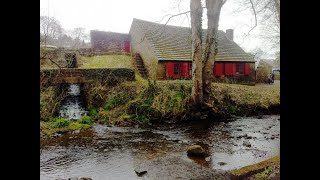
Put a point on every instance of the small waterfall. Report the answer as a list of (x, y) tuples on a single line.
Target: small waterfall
[(73, 106)]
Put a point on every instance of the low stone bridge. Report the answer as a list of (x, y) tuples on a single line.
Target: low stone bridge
[(75, 75)]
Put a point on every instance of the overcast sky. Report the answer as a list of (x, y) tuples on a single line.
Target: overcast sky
[(117, 15)]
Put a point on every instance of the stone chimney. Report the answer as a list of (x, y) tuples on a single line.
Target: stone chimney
[(229, 34)]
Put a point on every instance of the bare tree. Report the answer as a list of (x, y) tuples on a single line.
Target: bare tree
[(202, 61), (202, 64), (213, 15), (267, 17), (197, 66), (50, 29), (78, 34)]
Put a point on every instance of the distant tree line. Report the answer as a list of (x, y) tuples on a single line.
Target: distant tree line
[(52, 33)]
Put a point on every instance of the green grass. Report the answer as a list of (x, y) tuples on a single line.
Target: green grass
[(261, 167), (141, 100), (60, 123), (106, 61), (85, 120), (116, 100), (247, 95), (75, 126), (47, 128), (264, 174), (49, 102)]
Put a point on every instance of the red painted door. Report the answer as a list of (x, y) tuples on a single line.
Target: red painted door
[(185, 70), (127, 46), (228, 69), (247, 69), (218, 69), (169, 70), (234, 69)]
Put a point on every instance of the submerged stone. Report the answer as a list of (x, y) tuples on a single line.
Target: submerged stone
[(222, 163), (85, 178), (247, 143), (73, 178), (196, 150), (140, 172), (208, 158)]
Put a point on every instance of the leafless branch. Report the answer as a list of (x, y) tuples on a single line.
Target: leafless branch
[(255, 17), (52, 62), (163, 27), (175, 16), (264, 7), (163, 17), (44, 56)]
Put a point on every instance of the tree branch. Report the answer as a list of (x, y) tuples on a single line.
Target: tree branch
[(52, 62), (171, 16), (44, 57), (255, 17)]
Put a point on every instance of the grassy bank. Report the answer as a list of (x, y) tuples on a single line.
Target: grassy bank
[(141, 101), (50, 99), (60, 125), (106, 61)]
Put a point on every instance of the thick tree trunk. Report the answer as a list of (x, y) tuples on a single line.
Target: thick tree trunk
[(213, 14), (196, 28)]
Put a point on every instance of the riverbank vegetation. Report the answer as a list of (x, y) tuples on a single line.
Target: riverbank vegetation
[(61, 125), (142, 101), (145, 101)]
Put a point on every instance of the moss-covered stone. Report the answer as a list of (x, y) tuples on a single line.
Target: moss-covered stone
[(195, 150), (253, 169)]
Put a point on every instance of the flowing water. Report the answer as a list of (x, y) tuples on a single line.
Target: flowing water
[(73, 106), (106, 152)]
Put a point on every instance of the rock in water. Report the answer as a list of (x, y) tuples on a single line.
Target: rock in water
[(196, 150), (208, 158), (222, 163), (85, 178), (246, 143), (140, 173), (73, 178)]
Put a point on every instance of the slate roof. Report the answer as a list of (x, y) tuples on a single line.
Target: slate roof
[(174, 42)]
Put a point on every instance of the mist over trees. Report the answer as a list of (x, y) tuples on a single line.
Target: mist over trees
[(52, 33)]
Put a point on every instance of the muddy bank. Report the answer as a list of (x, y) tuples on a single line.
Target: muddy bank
[(110, 152)]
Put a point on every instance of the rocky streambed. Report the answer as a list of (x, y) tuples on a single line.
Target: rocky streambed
[(159, 152)]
